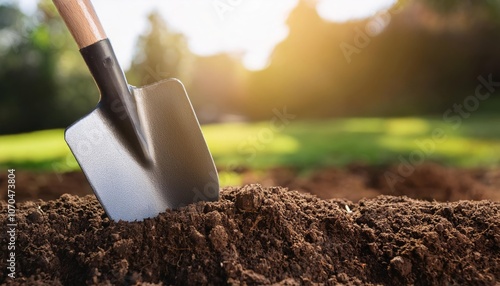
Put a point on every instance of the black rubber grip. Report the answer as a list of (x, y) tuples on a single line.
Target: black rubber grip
[(107, 73)]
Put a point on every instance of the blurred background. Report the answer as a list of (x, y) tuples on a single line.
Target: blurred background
[(326, 95)]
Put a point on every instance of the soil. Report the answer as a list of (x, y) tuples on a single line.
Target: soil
[(257, 235)]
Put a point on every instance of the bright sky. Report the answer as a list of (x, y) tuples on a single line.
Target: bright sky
[(250, 28)]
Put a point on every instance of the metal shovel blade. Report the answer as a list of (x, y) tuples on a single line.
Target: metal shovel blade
[(178, 169)]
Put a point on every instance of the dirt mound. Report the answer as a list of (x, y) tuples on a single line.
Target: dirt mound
[(261, 236)]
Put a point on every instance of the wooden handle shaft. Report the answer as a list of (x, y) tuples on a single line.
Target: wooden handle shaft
[(81, 20)]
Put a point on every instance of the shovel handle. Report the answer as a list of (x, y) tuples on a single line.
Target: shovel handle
[(81, 20)]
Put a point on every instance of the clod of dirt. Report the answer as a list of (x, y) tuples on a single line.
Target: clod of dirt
[(249, 199), (401, 265), (260, 236)]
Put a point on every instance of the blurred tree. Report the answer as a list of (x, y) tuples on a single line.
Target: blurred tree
[(307, 70), (488, 8), (421, 62), (218, 88), (214, 83), (161, 53), (27, 66), (43, 81)]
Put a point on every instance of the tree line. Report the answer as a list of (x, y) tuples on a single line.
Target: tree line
[(419, 58)]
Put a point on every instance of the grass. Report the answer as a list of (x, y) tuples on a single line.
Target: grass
[(310, 144), (302, 144), (41, 150)]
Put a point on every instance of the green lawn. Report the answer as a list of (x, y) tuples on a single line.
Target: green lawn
[(303, 144)]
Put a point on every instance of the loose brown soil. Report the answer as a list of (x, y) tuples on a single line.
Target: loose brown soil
[(256, 235), (262, 236)]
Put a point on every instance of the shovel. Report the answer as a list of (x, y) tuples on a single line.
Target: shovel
[(141, 149)]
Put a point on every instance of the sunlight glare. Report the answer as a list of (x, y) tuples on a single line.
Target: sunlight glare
[(250, 29)]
